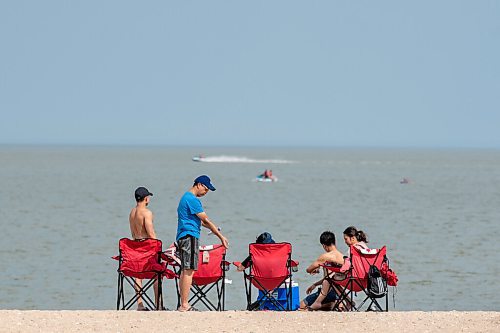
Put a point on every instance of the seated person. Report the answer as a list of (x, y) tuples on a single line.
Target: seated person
[(264, 175), (324, 298), (270, 175), (263, 238), (355, 237), (267, 174), (352, 237)]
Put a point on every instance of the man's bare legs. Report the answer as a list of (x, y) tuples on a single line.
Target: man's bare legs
[(140, 304), (317, 305), (325, 289), (185, 282)]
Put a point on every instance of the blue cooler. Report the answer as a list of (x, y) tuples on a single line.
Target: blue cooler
[(280, 295)]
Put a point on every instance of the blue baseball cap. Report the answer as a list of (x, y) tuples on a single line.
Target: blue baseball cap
[(205, 180)]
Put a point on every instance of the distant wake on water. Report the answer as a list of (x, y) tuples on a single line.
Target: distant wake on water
[(238, 159)]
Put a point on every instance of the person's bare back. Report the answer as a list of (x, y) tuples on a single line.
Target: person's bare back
[(334, 256), (141, 218), (137, 219)]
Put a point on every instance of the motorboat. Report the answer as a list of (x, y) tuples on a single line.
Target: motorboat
[(199, 158)]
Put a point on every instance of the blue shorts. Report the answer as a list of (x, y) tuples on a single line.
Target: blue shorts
[(330, 297)]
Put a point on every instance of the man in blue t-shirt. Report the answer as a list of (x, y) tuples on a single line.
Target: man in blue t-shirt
[(190, 218)]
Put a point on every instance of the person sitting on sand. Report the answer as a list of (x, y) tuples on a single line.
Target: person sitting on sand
[(263, 238), (333, 256)]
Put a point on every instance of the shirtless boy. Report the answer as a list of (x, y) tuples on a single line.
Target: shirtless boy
[(323, 298), (141, 226)]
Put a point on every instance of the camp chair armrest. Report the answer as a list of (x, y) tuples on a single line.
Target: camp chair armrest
[(336, 268), (169, 274), (329, 267), (225, 265), (116, 257), (172, 261), (239, 263), (173, 264), (294, 265)]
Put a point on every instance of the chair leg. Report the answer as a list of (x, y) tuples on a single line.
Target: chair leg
[(289, 297), (248, 291), (223, 294), (249, 296), (178, 272), (387, 301), (120, 290), (159, 294)]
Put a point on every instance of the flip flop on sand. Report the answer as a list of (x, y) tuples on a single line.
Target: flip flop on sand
[(142, 309), (191, 308)]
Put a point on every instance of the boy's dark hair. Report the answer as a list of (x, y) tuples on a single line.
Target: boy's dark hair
[(327, 238)]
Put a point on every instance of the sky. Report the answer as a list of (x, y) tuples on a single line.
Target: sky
[(251, 73)]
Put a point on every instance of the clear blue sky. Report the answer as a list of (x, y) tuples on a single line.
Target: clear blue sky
[(262, 73)]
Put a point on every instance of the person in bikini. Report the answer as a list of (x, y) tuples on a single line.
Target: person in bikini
[(141, 226)]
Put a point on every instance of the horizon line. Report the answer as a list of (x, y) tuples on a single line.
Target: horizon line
[(247, 146)]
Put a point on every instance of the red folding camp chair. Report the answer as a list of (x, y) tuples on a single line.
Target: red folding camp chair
[(141, 259), (270, 267), (211, 275), (353, 277)]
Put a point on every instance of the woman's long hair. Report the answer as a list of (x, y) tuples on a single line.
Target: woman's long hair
[(359, 234)]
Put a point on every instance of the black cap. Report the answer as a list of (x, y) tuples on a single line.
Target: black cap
[(141, 193)]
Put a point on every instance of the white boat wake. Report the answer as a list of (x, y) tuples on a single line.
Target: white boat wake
[(236, 159)]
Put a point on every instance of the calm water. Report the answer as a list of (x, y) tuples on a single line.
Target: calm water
[(64, 209)]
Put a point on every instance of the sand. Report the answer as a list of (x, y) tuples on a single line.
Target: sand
[(244, 321)]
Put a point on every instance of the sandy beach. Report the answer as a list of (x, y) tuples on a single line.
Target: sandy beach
[(244, 321)]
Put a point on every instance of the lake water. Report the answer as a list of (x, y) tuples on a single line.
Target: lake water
[(63, 210)]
